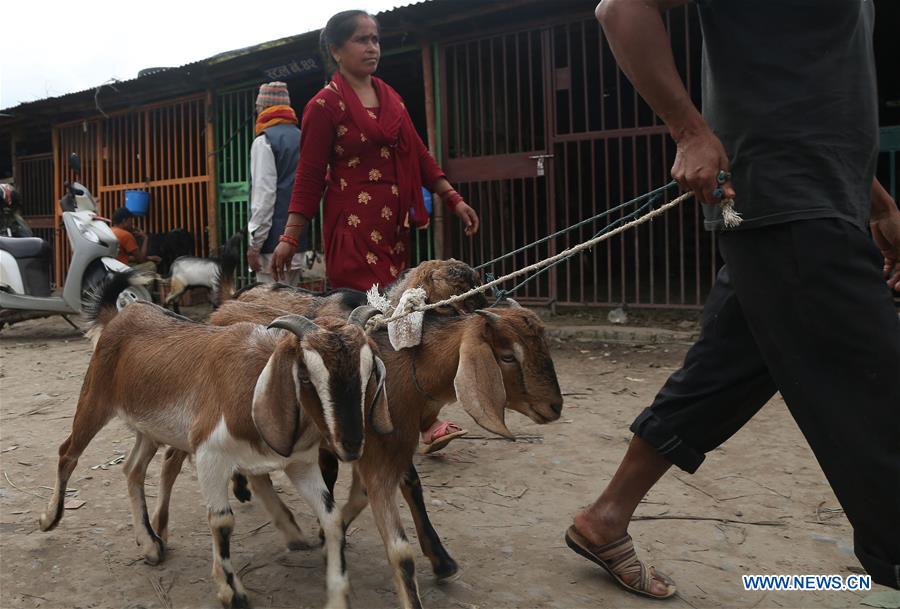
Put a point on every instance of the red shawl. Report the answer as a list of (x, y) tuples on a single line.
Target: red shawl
[(392, 128)]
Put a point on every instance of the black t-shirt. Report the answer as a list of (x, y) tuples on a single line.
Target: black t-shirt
[(789, 88)]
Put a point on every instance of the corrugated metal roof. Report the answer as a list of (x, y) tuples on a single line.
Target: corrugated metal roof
[(215, 59), (185, 78)]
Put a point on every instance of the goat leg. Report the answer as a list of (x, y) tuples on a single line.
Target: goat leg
[(174, 298), (329, 466), (239, 487), (383, 496), (307, 478), (356, 502), (213, 471), (441, 562), (280, 513), (136, 473), (88, 421), (171, 467)]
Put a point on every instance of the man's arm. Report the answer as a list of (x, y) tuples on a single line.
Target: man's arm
[(638, 39), (264, 177), (884, 220)]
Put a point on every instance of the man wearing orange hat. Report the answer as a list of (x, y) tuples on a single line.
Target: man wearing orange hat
[(273, 164)]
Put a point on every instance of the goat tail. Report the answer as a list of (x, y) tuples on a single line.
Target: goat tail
[(229, 259), (100, 304)]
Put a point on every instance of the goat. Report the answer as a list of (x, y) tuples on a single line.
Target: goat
[(169, 246), (488, 361), (216, 274), (256, 399), (440, 279)]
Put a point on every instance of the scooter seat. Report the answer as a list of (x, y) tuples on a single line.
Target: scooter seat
[(24, 247)]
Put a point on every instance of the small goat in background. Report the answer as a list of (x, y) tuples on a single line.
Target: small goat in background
[(216, 274)]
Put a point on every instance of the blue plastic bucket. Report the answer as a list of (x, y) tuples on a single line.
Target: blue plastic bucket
[(137, 201), (429, 203)]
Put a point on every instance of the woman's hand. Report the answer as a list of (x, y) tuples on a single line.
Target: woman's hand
[(281, 260), (468, 216)]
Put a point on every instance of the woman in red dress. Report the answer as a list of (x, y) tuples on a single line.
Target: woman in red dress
[(359, 146)]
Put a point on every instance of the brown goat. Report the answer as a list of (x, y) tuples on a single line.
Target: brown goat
[(489, 361), (440, 279), (245, 397)]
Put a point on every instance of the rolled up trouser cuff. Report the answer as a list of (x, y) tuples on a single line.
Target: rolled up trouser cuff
[(659, 434), (882, 571)]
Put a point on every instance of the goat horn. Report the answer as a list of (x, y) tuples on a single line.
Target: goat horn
[(362, 314), (297, 324), (489, 315), (380, 374)]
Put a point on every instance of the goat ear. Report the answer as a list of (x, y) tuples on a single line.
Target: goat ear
[(479, 384), (379, 413), (276, 411)]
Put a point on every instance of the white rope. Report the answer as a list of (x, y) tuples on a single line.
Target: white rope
[(377, 322)]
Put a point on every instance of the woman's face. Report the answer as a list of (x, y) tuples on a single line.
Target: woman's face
[(360, 54)]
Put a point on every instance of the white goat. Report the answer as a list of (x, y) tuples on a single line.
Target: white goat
[(215, 274)]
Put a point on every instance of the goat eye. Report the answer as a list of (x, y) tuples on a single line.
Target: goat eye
[(508, 358)]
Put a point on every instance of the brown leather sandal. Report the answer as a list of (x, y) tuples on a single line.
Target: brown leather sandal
[(621, 562)]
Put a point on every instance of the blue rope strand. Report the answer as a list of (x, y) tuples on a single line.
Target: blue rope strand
[(648, 206), (653, 193)]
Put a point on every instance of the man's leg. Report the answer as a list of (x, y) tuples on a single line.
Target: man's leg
[(828, 330), (721, 385)]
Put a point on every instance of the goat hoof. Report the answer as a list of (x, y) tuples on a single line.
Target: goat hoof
[(155, 555), (239, 601), (446, 569), (321, 537), (47, 522), (300, 544)]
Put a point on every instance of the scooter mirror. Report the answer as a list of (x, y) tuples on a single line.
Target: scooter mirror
[(74, 163)]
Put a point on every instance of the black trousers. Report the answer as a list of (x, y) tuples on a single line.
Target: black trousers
[(800, 308)]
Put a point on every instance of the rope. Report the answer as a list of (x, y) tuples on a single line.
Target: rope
[(603, 214), (502, 294), (376, 322)]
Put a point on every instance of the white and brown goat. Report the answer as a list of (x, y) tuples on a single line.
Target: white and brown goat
[(243, 398), (490, 361)]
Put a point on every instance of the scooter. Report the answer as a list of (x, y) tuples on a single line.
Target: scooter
[(25, 290)]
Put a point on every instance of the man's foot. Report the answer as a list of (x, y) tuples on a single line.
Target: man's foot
[(439, 435), (612, 548)]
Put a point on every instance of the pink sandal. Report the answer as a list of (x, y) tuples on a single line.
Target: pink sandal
[(440, 434)]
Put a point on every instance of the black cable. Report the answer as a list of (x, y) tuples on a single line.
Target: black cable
[(652, 193), (648, 206)]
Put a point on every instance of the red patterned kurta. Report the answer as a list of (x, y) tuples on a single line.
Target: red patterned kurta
[(367, 237)]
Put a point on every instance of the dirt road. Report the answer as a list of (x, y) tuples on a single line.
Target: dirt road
[(760, 505)]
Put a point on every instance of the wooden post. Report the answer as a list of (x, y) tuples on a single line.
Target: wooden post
[(212, 215), (438, 206), (57, 195)]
